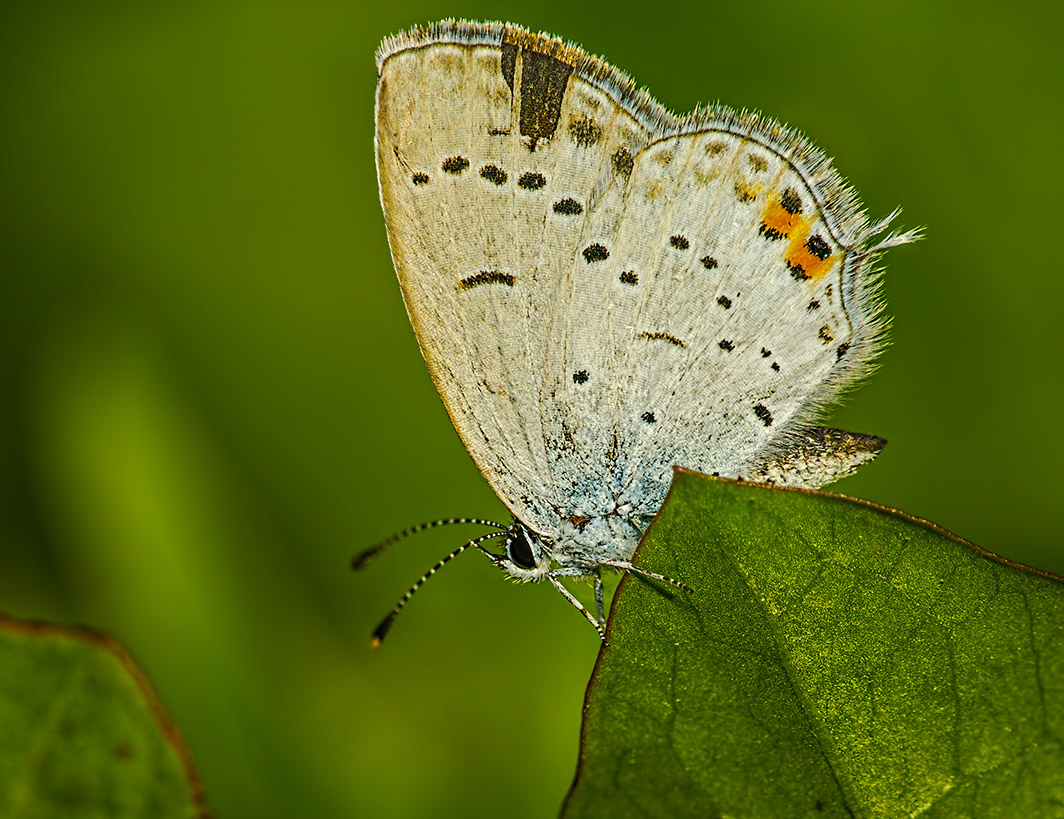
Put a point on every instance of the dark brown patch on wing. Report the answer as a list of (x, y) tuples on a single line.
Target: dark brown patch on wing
[(509, 63), (543, 82), (623, 162), (584, 131)]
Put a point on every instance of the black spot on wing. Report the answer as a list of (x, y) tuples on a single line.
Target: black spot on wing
[(724, 302), (531, 181), (629, 277), (818, 247), (791, 202), (708, 262), (493, 173), (660, 336), (595, 253), (455, 165), (580, 377), (679, 242), (420, 179), (568, 207), (761, 411), (486, 277)]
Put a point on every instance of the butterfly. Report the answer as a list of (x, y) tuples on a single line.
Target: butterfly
[(602, 290)]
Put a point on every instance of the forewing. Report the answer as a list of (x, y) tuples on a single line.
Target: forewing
[(485, 201)]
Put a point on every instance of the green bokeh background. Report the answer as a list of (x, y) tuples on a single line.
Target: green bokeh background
[(211, 396)]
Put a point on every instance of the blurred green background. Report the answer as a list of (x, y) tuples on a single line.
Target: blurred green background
[(212, 397)]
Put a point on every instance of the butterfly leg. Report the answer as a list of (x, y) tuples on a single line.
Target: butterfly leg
[(600, 597), (553, 577), (624, 565)]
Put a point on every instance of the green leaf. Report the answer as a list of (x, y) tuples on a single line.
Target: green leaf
[(835, 659), (82, 733)]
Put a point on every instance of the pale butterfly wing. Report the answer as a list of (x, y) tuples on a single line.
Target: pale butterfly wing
[(455, 214), (752, 301), (602, 290), (483, 232)]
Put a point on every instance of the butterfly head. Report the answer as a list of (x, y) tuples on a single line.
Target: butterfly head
[(526, 559)]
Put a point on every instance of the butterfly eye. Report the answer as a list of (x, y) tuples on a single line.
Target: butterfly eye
[(520, 551)]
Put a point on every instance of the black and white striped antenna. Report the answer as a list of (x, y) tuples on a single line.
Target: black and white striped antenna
[(363, 559)]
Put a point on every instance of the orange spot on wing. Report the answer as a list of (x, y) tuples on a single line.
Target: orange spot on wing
[(798, 254), (783, 218), (776, 218)]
